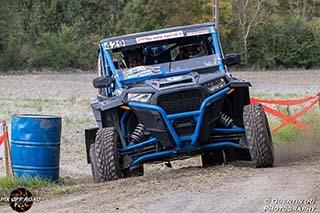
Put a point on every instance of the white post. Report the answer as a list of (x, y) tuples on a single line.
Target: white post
[(216, 21), (216, 13)]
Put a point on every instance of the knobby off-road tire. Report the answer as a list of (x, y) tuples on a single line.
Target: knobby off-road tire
[(212, 158), (258, 136), (104, 156)]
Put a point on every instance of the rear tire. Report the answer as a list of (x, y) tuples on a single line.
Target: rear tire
[(212, 158), (104, 156), (258, 136)]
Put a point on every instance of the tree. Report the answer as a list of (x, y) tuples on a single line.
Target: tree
[(65, 34), (247, 11)]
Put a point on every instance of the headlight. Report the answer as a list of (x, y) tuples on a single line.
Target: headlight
[(139, 97), (215, 84)]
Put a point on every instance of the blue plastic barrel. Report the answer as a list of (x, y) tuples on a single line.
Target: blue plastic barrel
[(35, 146)]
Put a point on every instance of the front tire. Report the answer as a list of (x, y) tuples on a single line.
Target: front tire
[(258, 136), (104, 156)]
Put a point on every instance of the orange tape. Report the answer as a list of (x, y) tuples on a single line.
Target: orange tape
[(283, 102), (3, 137), (285, 118), (293, 119), (288, 119)]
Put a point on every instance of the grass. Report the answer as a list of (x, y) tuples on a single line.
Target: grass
[(283, 109), (293, 134), (77, 122), (285, 95), (38, 187), (276, 96), (38, 104)]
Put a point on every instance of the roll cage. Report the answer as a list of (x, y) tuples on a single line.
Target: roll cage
[(168, 38)]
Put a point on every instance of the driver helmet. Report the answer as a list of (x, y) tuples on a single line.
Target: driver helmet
[(193, 50), (133, 57)]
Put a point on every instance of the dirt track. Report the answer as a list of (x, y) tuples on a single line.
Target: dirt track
[(185, 188), (232, 188)]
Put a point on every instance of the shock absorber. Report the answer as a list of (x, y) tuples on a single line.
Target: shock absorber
[(226, 120), (138, 133)]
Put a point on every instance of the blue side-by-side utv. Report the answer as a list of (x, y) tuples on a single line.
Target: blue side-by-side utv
[(166, 95)]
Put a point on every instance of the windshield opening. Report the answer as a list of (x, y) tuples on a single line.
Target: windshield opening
[(164, 51)]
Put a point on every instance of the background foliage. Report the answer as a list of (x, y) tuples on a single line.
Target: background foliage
[(63, 34)]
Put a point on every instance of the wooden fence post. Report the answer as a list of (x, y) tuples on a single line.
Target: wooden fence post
[(7, 152), (6, 165)]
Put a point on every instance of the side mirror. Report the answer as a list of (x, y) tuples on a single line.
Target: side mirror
[(101, 82), (232, 59)]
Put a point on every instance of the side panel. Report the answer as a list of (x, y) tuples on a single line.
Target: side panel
[(97, 115), (98, 107), (111, 118), (106, 115), (239, 98)]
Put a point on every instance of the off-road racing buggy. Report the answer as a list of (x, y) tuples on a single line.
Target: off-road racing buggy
[(166, 95)]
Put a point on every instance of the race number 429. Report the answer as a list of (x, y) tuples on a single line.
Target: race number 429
[(114, 44)]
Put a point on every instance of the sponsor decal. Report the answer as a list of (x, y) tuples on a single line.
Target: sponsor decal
[(199, 32), (159, 37), (141, 71)]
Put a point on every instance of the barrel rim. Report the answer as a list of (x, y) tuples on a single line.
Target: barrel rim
[(36, 116)]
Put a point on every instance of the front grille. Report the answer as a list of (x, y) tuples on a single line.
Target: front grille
[(180, 101)]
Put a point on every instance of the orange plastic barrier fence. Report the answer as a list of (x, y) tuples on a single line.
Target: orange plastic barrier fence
[(289, 119)]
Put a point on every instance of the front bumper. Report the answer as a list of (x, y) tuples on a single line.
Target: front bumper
[(160, 124)]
